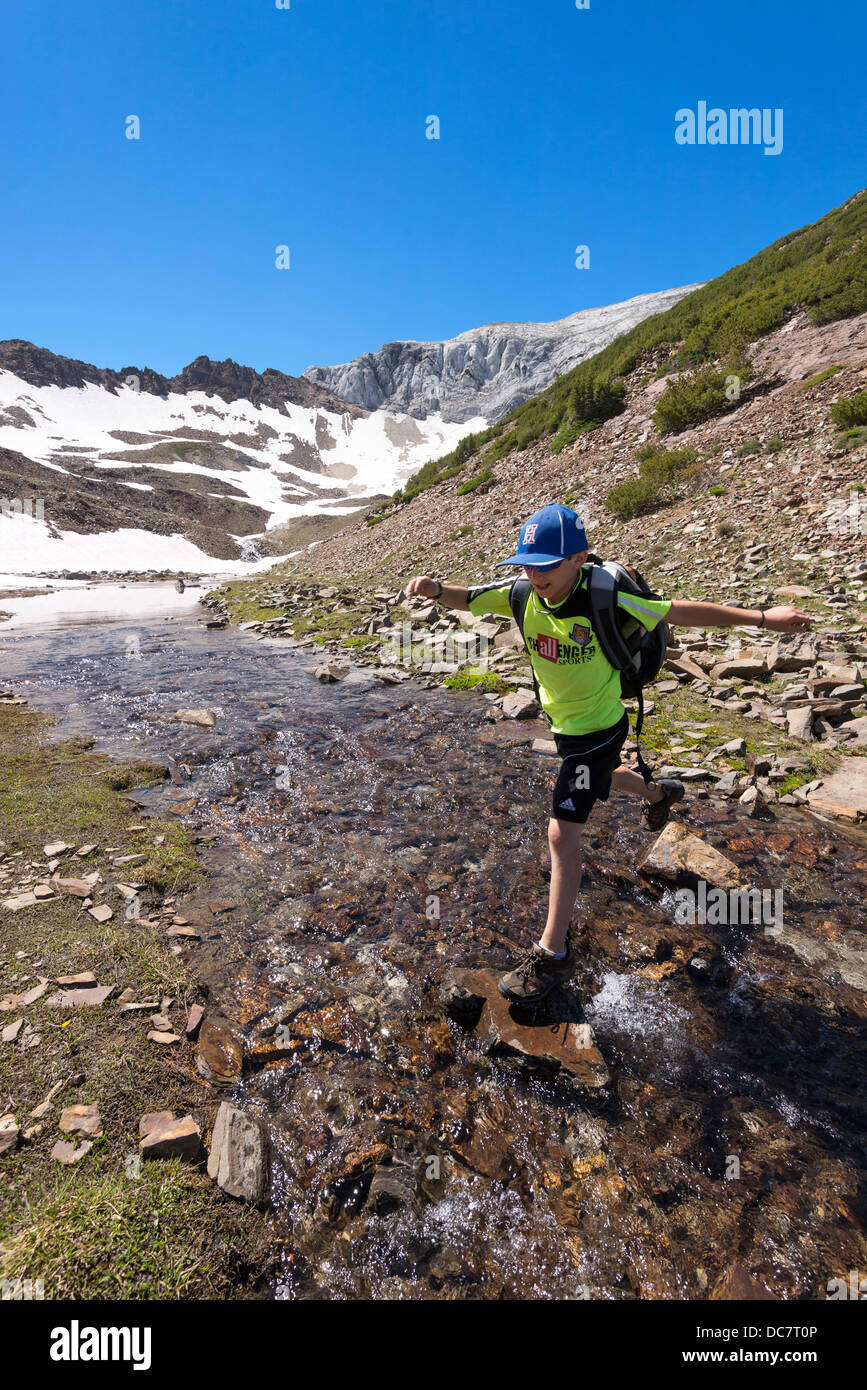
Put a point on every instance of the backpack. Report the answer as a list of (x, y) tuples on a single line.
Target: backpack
[(633, 651)]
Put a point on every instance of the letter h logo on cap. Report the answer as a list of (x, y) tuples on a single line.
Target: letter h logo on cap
[(529, 533)]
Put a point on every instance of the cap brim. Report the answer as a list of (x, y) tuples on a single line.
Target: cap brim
[(539, 562)]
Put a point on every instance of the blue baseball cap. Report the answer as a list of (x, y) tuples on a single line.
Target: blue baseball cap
[(548, 537)]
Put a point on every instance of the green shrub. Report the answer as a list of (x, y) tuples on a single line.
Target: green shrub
[(725, 529), (717, 490), (749, 446), (699, 396), (774, 445), (821, 376), (635, 497), (667, 467), (484, 479), (850, 412), (851, 439)]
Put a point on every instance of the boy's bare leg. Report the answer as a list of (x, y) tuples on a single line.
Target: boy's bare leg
[(625, 780), (564, 842)]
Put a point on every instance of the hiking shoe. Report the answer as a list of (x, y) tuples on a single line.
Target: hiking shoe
[(535, 975), (655, 814)]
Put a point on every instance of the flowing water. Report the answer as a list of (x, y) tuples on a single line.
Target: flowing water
[(371, 837)]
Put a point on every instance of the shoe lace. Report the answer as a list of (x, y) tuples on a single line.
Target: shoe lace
[(529, 964)]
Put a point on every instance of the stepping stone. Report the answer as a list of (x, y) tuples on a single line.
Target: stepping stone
[(678, 856), (554, 1036)]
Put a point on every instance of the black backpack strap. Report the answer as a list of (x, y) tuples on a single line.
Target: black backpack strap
[(639, 720)]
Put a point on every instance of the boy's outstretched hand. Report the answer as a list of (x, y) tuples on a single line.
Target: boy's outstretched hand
[(423, 585), (784, 619)]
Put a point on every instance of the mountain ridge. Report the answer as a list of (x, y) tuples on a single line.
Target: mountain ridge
[(486, 370)]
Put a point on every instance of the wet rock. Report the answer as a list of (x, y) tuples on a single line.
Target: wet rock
[(554, 1036), (330, 671), (202, 718), (393, 1186), (753, 803), (462, 1005), (238, 1158), (221, 1052), (678, 856), (171, 1138), (737, 1283)]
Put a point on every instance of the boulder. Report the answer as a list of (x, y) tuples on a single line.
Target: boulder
[(844, 792), (745, 668), (238, 1157), (800, 723), (521, 704), (330, 671), (203, 718), (678, 856)]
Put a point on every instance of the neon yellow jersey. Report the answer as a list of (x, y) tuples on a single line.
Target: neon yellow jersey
[(578, 686)]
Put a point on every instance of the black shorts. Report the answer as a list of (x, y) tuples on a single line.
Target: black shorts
[(585, 772)]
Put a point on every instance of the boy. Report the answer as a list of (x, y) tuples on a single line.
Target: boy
[(580, 692)]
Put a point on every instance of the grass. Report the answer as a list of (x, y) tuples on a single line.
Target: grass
[(471, 679), (92, 1231), (822, 376)]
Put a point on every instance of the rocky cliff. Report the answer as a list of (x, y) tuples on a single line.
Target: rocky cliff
[(485, 371)]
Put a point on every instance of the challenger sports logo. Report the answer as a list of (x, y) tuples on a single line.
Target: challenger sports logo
[(581, 634)]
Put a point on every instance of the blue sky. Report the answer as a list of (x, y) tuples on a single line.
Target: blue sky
[(306, 127)]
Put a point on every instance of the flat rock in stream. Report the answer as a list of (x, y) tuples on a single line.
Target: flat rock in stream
[(678, 856), (554, 1036)]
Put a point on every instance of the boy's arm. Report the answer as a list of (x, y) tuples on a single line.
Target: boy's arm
[(686, 613), (452, 596)]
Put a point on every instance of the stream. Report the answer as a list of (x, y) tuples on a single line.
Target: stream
[(372, 837)]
